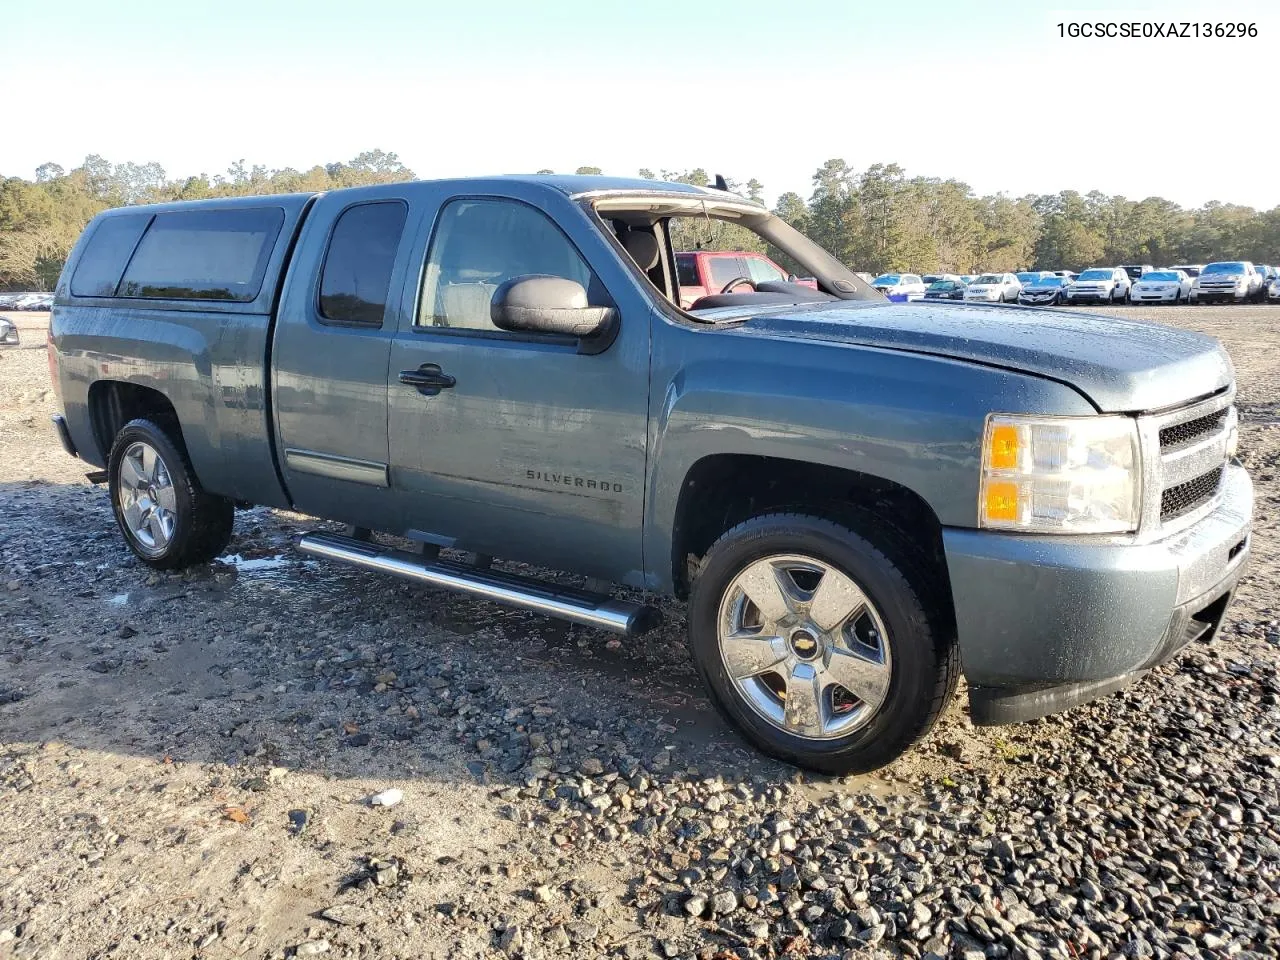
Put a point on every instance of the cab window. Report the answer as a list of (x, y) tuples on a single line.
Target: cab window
[(762, 271), (481, 243), (724, 269)]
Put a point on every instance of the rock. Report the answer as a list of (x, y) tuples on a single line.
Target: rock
[(298, 820), (1018, 915), (873, 935), (725, 901), (591, 767), (756, 928), (582, 932), (542, 893), (312, 948), (512, 941), (695, 906), (387, 798)]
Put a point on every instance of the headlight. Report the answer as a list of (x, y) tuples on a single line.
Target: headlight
[(1060, 474)]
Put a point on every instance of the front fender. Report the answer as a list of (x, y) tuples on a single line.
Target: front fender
[(912, 419)]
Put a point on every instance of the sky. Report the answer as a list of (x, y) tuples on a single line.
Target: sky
[(986, 93)]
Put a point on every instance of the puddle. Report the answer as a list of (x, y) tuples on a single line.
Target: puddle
[(256, 564)]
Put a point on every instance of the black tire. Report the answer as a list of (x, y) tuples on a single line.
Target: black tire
[(202, 521), (925, 658)]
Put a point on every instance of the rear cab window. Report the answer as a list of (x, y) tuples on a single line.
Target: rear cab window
[(203, 255), (687, 270), (356, 277)]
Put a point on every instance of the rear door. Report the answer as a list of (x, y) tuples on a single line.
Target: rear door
[(537, 450), (337, 317)]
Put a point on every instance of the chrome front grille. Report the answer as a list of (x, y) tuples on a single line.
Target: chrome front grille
[(1185, 456)]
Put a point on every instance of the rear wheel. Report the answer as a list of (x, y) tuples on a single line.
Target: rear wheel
[(820, 649), (167, 518)]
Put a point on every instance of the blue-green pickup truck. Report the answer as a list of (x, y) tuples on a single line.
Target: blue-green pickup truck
[(859, 499)]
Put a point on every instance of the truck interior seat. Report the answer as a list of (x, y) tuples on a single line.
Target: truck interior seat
[(465, 306)]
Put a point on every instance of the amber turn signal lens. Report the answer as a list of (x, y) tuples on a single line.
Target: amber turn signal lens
[(1001, 502), (1003, 454)]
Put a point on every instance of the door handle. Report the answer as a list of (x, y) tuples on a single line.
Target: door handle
[(429, 379)]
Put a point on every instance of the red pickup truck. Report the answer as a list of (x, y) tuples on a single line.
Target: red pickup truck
[(705, 272)]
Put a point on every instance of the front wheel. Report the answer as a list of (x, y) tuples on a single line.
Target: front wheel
[(168, 520), (817, 646)]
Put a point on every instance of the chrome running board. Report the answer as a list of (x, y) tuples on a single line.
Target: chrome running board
[(566, 603)]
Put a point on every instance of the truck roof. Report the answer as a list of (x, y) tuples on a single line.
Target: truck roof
[(573, 185)]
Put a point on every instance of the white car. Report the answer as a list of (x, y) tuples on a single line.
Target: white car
[(32, 301), (1162, 286), (1100, 285), (1231, 280), (1273, 295), (994, 287), (900, 286), (8, 333)]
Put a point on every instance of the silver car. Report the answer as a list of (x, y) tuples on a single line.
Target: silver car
[(1162, 286), (8, 333)]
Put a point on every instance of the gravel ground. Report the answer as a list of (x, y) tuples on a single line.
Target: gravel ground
[(187, 764)]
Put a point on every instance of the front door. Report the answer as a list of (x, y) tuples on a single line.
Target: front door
[(536, 452)]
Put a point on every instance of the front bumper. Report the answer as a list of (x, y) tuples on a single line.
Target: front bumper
[(1046, 623), (1155, 296), (1221, 294), (9, 335)]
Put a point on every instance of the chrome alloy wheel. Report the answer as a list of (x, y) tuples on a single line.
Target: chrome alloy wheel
[(804, 646), (146, 498)]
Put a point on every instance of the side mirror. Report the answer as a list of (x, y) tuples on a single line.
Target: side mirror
[(543, 304)]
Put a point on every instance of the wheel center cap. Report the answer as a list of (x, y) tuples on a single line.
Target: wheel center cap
[(805, 645)]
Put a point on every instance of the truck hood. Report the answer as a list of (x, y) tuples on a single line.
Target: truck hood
[(1121, 365)]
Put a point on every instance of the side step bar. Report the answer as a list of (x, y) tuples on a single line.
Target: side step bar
[(577, 606)]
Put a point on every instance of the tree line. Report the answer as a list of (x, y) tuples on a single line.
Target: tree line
[(877, 219)]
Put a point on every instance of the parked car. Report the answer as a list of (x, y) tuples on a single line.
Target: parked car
[(33, 301), (1067, 275), (1100, 285), (541, 396), (8, 333), (946, 289), (1274, 292), (1268, 274), (1230, 280), (1192, 270), (998, 287), (1162, 286), (931, 278), (1136, 270), (1047, 291), (968, 277), (705, 272), (1031, 276), (899, 286)]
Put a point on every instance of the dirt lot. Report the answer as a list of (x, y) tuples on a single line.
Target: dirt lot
[(186, 763)]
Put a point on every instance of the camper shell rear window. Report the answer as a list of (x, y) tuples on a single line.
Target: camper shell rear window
[(109, 248), (202, 255)]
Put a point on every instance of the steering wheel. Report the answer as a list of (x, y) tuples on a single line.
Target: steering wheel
[(735, 281)]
